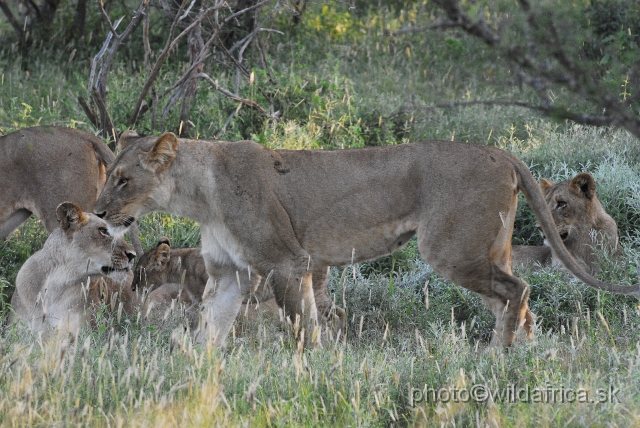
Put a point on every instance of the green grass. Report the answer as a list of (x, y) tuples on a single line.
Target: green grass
[(341, 83)]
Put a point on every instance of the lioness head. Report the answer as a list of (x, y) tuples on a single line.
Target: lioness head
[(134, 180), (152, 266), (579, 216), (90, 243)]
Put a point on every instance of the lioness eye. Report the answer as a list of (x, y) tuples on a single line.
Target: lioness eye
[(560, 204), (103, 231), (122, 182)]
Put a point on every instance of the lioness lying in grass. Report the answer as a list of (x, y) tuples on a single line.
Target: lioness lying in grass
[(52, 287), (581, 221)]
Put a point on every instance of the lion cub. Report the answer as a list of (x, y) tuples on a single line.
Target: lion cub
[(179, 274), (163, 269), (57, 284), (581, 220)]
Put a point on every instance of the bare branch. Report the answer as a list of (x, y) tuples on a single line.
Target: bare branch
[(243, 11), (557, 112), (145, 42), (171, 43), (478, 28), (89, 112)]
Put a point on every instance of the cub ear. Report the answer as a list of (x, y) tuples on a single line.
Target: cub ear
[(545, 185), (70, 216), (126, 138), (161, 154), (164, 240), (584, 184)]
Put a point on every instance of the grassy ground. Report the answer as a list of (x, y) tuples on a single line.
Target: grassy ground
[(415, 347)]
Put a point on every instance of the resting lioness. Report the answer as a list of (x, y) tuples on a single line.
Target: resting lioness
[(163, 264), (51, 286), (581, 221), (285, 214), (44, 166)]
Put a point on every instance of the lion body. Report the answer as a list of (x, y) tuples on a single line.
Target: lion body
[(41, 167), (57, 284), (285, 215)]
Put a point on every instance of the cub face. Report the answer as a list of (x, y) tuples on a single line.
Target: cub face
[(152, 267), (133, 180), (91, 244)]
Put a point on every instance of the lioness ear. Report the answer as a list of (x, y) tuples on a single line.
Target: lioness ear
[(161, 154), (126, 138), (585, 184), (545, 185), (164, 240), (70, 216)]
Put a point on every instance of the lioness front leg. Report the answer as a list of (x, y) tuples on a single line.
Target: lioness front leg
[(222, 299)]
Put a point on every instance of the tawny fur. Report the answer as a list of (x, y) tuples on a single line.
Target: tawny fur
[(53, 286), (581, 220), (282, 215), (42, 167), (163, 264)]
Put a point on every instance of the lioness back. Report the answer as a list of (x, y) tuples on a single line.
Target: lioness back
[(42, 167)]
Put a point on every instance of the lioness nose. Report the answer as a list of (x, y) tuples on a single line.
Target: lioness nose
[(101, 214), (131, 255)]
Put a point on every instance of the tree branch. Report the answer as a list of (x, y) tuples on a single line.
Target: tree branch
[(162, 58), (557, 112), (12, 19), (412, 30)]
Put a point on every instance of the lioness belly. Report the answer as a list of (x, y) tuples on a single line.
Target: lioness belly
[(361, 246)]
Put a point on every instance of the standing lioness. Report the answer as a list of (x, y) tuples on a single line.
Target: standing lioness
[(282, 214)]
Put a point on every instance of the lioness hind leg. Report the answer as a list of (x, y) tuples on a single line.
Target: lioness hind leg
[(507, 298), (328, 313)]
